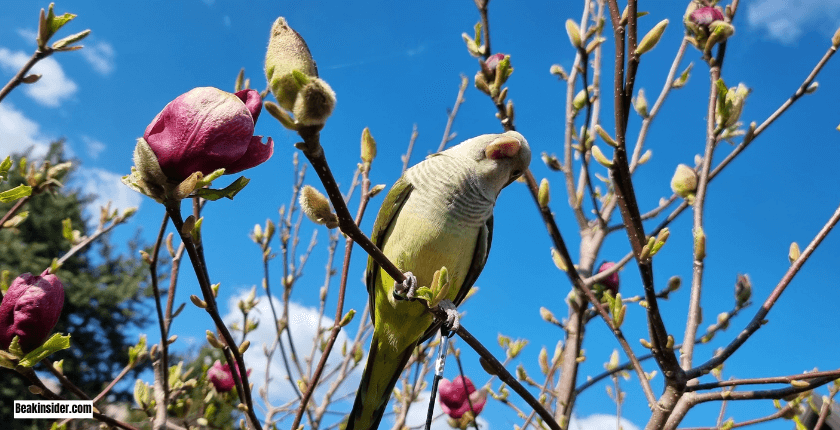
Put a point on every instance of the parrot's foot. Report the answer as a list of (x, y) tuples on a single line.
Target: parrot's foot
[(406, 290), (453, 320)]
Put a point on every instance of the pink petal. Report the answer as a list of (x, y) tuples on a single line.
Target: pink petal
[(256, 154), (252, 101)]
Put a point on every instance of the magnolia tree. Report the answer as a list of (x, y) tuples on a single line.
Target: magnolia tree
[(207, 133)]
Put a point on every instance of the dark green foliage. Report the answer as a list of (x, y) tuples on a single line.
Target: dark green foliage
[(105, 293)]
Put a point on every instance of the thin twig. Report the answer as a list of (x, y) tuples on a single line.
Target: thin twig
[(834, 374), (447, 136), (694, 311), (759, 318), (21, 74), (405, 158), (315, 154), (161, 366), (230, 349), (666, 89), (18, 204)]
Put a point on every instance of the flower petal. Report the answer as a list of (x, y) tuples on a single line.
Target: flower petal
[(252, 101), (256, 154)]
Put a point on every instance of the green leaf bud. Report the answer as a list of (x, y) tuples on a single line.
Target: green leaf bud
[(652, 37)]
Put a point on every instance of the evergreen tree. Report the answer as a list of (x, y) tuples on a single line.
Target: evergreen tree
[(104, 293)]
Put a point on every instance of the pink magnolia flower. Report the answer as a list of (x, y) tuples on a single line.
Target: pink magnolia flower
[(706, 15), (611, 282), (455, 400), (207, 129), (221, 377), (30, 309)]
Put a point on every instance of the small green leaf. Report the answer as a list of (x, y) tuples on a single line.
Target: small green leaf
[(207, 180), (67, 229), (62, 44), (230, 191), (55, 23), (7, 360), (54, 344), (135, 351), (15, 193), (16, 220), (4, 168)]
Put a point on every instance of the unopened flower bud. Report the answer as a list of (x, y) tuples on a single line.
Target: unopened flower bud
[(543, 194), (610, 282), (314, 103), (558, 70), (652, 37), (640, 104), (551, 162), (458, 395), (684, 182), (547, 315), (493, 61), (30, 309), (730, 106), (574, 33), (743, 289), (706, 15), (368, 146), (316, 207), (287, 52), (221, 376)]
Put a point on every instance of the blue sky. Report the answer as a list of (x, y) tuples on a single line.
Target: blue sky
[(396, 64)]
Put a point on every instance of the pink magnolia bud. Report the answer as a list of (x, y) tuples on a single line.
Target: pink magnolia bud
[(455, 400), (706, 15), (30, 309), (493, 61), (612, 281), (207, 129), (221, 377)]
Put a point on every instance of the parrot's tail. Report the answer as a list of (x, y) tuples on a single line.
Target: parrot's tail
[(382, 372)]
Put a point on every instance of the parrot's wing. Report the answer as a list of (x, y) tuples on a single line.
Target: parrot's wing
[(482, 250), (391, 206)]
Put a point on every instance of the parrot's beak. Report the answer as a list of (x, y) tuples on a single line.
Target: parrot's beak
[(503, 147)]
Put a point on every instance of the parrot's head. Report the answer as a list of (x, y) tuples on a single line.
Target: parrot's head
[(498, 159)]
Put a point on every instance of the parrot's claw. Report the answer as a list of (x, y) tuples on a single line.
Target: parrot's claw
[(453, 320), (406, 290)]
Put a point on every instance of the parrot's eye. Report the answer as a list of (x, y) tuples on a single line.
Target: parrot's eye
[(516, 173)]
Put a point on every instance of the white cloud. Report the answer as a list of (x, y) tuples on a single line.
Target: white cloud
[(786, 20), (53, 87), (106, 186), (101, 56), (303, 324), (27, 34), (600, 422), (93, 146), (19, 133)]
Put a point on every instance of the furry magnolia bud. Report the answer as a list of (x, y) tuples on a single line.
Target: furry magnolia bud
[(293, 77), (314, 103), (652, 37), (316, 207), (368, 147), (684, 182), (287, 52)]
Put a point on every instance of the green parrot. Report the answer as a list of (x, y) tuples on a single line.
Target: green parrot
[(439, 213)]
